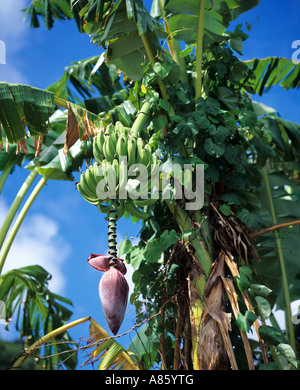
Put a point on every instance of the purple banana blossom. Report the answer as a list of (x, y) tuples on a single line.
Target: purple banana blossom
[(101, 263), (113, 290)]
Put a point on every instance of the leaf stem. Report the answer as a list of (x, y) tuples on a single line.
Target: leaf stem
[(174, 47), (112, 234), (6, 171), (16, 204), (199, 51), (276, 227), (17, 364), (288, 312), (151, 57), (6, 247), (61, 102)]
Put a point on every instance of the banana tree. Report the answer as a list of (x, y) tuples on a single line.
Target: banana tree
[(202, 278)]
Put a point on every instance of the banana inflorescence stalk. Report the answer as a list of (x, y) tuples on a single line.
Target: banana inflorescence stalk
[(112, 235), (113, 287), (116, 149)]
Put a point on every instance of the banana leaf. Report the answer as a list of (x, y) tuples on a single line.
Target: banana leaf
[(272, 71), (183, 18), (24, 107), (119, 26), (87, 77), (282, 173), (286, 201), (36, 309), (25, 112), (50, 10), (107, 351), (52, 157)]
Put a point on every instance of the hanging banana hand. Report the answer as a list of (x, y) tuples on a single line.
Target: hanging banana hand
[(115, 150)]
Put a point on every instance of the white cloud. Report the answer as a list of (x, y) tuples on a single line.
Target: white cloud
[(11, 74), (13, 28), (14, 33), (39, 242)]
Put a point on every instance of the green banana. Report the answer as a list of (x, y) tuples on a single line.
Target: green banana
[(144, 158), (92, 200), (144, 202), (111, 180), (115, 165), (131, 151), (119, 146), (91, 178), (111, 131), (123, 175), (100, 140), (135, 211), (104, 166), (97, 172), (155, 162), (86, 188), (148, 153), (98, 147), (145, 188), (119, 128), (103, 208), (139, 148), (124, 142), (109, 148)]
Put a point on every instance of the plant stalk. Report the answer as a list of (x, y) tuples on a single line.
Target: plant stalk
[(288, 312), (197, 277), (185, 224), (61, 102), (16, 204), (151, 57), (276, 227), (199, 50), (7, 245), (141, 119), (5, 173), (174, 47), (112, 235)]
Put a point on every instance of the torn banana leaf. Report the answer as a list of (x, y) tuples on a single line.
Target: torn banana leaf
[(24, 110)]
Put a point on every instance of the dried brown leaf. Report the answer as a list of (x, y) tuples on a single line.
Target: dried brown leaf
[(72, 130)]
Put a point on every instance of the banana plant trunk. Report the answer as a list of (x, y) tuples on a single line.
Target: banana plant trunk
[(209, 324)]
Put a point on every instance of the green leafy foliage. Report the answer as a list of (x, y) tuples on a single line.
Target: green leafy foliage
[(36, 311), (245, 322), (22, 106), (183, 19), (87, 77), (272, 71), (243, 281)]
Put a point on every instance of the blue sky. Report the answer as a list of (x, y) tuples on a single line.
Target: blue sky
[(61, 229)]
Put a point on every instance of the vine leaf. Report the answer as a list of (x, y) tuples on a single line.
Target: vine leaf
[(244, 322)]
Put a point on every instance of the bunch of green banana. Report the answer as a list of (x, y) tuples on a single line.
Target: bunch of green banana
[(115, 150)]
